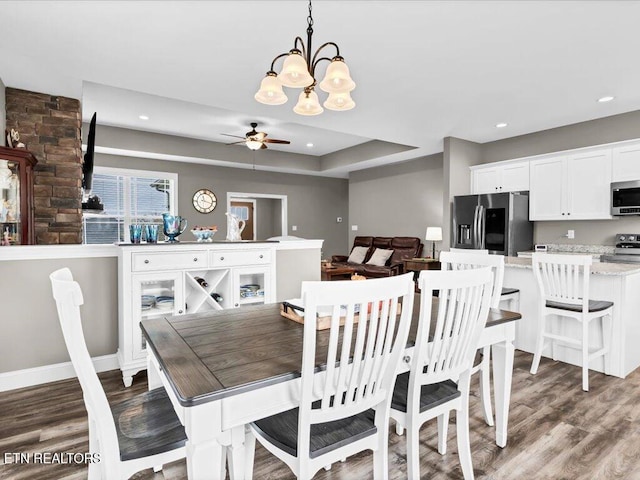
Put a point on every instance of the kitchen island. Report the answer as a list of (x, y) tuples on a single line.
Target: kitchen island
[(616, 282)]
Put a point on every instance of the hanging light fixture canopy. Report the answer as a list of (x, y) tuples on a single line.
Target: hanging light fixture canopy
[(298, 71)]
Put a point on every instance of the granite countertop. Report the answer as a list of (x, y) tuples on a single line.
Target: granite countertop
[(569, 249), (596, 268)]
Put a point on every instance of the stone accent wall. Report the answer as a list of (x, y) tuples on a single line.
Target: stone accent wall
[(49, 126)]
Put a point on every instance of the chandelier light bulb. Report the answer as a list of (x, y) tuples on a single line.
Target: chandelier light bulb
[(308, 104), (339, 102), (270, 92), (337, 79), (295, 72)]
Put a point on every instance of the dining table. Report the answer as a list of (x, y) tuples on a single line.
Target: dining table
[(225, 369)]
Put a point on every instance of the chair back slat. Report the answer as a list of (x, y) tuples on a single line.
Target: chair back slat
[(563, 278), (458, 259), (68, 297), (464, 301), (361, 358)]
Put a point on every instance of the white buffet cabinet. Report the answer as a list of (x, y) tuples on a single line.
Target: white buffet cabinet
[(177, 279)]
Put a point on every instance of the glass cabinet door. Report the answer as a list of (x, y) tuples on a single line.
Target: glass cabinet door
[(252, 286), (10, 202), (154, 295)]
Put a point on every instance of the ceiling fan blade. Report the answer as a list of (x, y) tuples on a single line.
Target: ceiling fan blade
[(263, 146), (237, 143), (234, 136), (273, 140)]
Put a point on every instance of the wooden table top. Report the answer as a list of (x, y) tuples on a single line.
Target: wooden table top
[(209, 356)]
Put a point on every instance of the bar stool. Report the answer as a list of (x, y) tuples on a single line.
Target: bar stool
[(564, 294), (511, 295)]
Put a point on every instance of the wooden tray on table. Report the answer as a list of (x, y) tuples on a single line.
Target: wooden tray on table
[(291, 310)]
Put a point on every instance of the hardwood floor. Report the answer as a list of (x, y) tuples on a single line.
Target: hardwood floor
[(556, 431)]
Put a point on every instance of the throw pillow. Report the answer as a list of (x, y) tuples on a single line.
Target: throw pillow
[(358, 254), (380, 257)]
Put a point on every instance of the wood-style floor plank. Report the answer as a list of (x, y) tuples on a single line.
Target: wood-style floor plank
[(556, 431)]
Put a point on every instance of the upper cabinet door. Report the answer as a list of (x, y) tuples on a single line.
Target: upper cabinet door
[(626, 163), (515, 177), (547, 190), (588, 185), (512, 177), (486, 180)]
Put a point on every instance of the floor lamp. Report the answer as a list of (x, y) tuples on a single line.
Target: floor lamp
[(435, 235)]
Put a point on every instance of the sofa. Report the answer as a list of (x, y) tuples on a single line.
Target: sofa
[(403, 248)]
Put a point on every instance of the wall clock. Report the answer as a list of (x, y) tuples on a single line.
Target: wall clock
[(204, 200)]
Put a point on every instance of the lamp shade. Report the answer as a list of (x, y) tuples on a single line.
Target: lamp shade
[(337, 79), (339, 101), (434, 234), (308, 104), (270, 92), (295, 72)]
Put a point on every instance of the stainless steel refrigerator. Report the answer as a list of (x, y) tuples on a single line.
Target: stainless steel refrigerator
[(498, 222)]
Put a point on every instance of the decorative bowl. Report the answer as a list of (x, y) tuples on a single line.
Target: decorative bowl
[(204, 235)]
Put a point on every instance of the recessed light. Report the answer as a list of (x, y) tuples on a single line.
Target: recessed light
[(501, 125), (143, 117), (309, 144), (606, 99)]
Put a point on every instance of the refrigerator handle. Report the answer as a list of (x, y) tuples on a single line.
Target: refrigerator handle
[(476, 227), (481, 231)]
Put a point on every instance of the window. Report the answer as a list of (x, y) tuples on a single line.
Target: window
[(128, 196)]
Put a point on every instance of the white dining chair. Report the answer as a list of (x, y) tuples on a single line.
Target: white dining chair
[(510, 296), (344, 406), (563, 287), (474, 259), (429, 390), (139, 433)]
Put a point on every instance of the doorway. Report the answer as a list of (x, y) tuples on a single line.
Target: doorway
[(245, 210), (269, 213)]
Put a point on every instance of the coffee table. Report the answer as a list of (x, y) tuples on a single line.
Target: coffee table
[(336, 273)]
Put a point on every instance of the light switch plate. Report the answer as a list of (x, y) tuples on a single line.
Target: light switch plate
[(354, 228)]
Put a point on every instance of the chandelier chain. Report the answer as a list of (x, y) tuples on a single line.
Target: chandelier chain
[(310, 18)]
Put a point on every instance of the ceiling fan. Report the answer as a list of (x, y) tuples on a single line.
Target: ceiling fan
[(256, 140)]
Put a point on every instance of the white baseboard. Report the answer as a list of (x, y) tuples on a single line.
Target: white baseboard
[(51, 373)]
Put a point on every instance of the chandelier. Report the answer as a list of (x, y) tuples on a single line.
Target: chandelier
[(298, 71)]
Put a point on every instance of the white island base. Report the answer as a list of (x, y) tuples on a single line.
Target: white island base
[(618, 283)]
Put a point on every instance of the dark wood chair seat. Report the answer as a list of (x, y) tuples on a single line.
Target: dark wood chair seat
[(594, 306), (430, 395), (147, 425), (509, 291), (282, 430)]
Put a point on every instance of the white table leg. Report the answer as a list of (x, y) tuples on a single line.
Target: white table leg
[(153, 376), (502, 375), (206, 442)]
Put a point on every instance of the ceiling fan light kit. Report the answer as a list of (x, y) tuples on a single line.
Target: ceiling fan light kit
[(298, 71), (255, 140)]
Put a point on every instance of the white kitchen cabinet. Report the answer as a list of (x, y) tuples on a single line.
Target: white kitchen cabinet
[(157, 280), (626, 163), (497, 178), (574, 186)]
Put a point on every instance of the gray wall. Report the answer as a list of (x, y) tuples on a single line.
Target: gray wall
[(595, 132), (31, 335), (267, 210), (396, 200), (458, 156), (313, 202), (3, 113)]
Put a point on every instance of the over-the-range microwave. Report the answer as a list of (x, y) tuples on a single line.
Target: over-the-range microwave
[(625, 198)]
